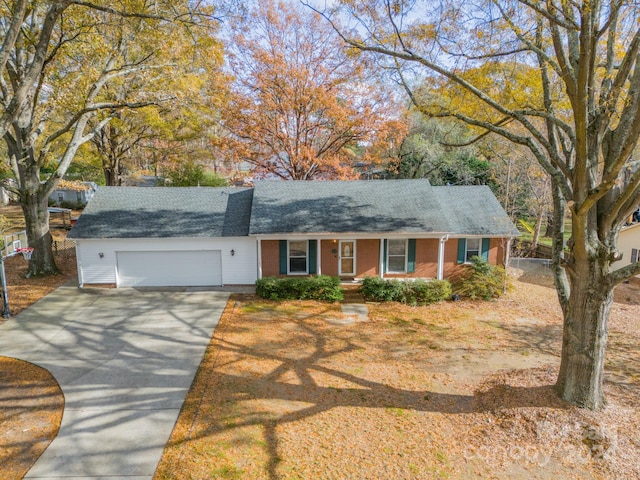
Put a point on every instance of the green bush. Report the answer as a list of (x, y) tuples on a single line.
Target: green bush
[(418, 292), (321, 287), (485, 282)]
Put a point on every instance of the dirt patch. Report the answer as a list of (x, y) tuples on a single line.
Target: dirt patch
[(454, 390), (31, 405)]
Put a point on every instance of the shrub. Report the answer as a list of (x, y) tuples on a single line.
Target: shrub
[(418, 292), (485, 282), (321, 287)]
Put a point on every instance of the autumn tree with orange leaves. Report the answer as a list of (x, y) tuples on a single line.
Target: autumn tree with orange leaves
[(302, 106)]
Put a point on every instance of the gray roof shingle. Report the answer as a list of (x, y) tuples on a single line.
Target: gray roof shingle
[(345, 207), (474, 210), (157, 212), (294, 207)]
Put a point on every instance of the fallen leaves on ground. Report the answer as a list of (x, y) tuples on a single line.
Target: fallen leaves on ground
[(31, 405), (456, 390), (26, 291)]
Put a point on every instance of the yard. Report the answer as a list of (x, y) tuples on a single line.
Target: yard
[(295, 390), (291, 390)]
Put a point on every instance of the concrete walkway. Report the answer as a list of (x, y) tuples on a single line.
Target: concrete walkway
[(357, 312), (125, 360)]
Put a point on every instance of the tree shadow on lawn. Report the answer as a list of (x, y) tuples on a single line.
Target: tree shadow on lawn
[(291, 360)]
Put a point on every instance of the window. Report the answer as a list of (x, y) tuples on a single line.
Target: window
[(347, 257), (634, 255), (298, 256), (473, 249), (396, 256)]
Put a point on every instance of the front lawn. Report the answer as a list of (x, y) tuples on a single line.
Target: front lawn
[(452, 390)]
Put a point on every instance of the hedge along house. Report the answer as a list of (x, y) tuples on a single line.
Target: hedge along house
[(129, 236), (385, 228)]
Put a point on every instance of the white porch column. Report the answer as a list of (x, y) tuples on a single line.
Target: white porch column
[(441, 257), (319, 256), (259, 246), (381, 262)]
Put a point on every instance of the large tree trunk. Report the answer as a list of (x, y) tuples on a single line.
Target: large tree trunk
[(35, 203), (586, 299), (111, 170), (584, 344)]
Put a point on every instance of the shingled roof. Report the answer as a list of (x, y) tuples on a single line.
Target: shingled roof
[(345, 207), (157, 212), (376, 206), (474, 210), (294, 207)]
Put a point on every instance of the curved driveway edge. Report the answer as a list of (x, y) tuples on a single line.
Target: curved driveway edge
[(125, 359)]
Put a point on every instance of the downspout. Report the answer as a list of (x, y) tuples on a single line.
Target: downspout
[(443, 240), (381, 260), (259, 248), (79, 265), (319, 256), (507, 255)]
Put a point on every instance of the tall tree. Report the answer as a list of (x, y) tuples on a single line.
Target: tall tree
[(426, 152), (563, 80), (58, 61), (193, 93), (301, 104)]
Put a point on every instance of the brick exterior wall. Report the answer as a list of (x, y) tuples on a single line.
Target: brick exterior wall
[(270, 258), (426, 260), (453, 270), (368, 258)]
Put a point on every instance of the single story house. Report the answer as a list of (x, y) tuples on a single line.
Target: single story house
[(629, 245), (199, 236), (73, 193)]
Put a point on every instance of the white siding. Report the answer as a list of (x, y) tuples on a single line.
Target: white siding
[(239, 269), (186, 268), (629, 239)]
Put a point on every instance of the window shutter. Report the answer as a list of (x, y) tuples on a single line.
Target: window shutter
[(312, 257), (485, 249), (634, 255), (411, 256), (462, 249), (384, 256), (283, 257)]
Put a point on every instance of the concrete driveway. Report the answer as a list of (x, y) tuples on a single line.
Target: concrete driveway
[(125, 359)]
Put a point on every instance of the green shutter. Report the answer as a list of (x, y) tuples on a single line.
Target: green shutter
[(283, 257), (312, 257), (462, 249), (485, 249), (411, 256), (384, 256)]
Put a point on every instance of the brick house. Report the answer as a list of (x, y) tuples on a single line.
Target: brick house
[(351, 229)]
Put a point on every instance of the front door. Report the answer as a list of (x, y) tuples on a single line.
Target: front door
[(347, 260)]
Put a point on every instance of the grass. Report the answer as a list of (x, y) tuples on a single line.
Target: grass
[(542, 240)]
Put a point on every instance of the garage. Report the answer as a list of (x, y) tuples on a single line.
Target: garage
[(183, 268)]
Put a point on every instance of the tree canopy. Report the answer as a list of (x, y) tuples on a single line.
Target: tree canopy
[(560, 79), (300, 104), (64, 64)]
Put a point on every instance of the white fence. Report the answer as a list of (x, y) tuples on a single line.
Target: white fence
[(529, 264)]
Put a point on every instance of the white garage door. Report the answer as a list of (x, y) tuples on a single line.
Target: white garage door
[(169, 268)]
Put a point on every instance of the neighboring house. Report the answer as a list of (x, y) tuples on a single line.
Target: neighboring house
[(629, 245), (73, 193), (6, 196), (130, 236)]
